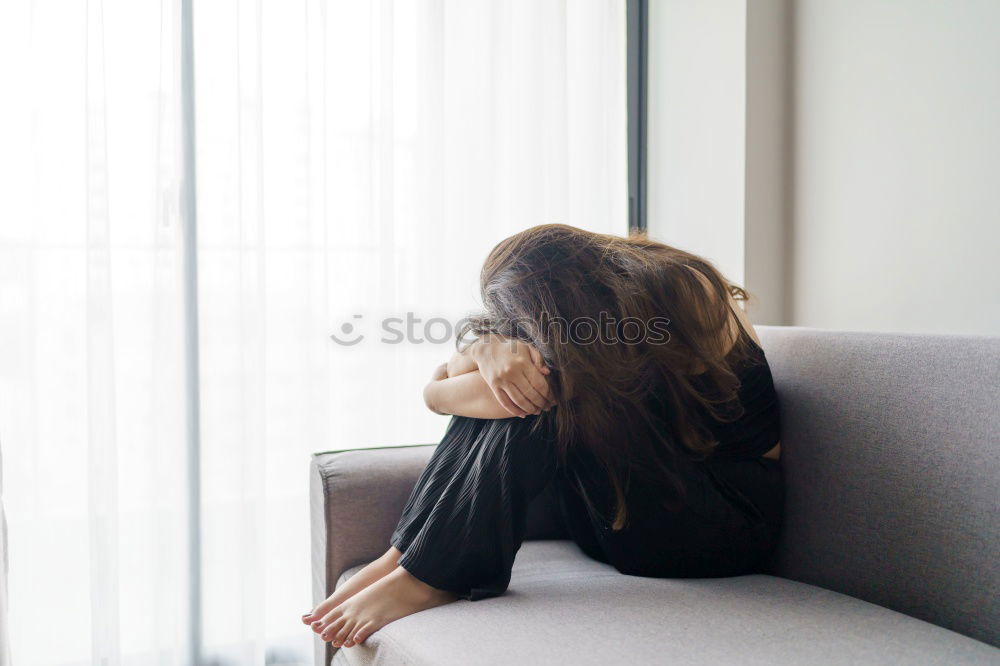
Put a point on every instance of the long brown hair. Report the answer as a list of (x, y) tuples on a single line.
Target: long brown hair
[(557, 274)]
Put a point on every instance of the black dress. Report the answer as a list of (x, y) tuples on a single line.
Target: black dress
[(467, 515)]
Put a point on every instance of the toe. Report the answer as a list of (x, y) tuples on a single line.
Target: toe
[(320, 617), (321, 625), (362, 633), (349, 638), (345, 632), (319, 612), (331, 631)]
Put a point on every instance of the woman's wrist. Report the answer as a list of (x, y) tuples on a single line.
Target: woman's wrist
[(482, 348), (475, 349)]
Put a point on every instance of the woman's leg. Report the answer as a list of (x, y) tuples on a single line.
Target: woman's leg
[(466, 518), (461, 528)]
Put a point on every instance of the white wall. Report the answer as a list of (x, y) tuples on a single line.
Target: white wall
[(896, 188), (697, 128), (717, 108), (840, 159)]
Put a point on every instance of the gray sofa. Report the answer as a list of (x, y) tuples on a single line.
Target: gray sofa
[(889, 553)]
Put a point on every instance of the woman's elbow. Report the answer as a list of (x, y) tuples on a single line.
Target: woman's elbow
[(432, 399)]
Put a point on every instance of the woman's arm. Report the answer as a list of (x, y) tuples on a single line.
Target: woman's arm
[(466, 394), (494, 378), (462, 362)]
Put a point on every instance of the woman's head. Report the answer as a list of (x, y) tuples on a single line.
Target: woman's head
[(622, 322)]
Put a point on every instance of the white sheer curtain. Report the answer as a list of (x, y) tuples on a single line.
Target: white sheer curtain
[(4, 623), (356, 161), (91, 399)]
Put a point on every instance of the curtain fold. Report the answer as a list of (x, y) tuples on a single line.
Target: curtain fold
[(102, 453), (356, 161), (4, 620)]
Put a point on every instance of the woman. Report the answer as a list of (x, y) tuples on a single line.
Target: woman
[(624, 372)]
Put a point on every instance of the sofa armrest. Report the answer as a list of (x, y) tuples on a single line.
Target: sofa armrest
[(356, 498)]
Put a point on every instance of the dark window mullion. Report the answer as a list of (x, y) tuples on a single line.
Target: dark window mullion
[(637, 31)]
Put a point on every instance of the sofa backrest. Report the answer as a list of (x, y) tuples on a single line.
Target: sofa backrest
[(891, 454)]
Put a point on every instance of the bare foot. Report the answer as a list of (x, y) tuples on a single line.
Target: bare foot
[(320, 616), (394, 596)]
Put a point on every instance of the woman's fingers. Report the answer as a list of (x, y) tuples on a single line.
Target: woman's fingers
[(536, 358), (522, 401), (541, 384), (535, 388), (517, 376), (518, 398), (506, 402)]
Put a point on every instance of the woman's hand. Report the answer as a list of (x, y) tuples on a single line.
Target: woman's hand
[(464, 394), (516, 374)]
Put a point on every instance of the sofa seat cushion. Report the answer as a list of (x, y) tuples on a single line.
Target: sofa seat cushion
[(564, 608)]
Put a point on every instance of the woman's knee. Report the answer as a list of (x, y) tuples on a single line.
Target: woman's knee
[(529, 437), (515, 445), (527, 434)]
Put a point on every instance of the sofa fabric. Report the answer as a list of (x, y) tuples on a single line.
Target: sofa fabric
[(564, 608), (891, 454), (890, 447)]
